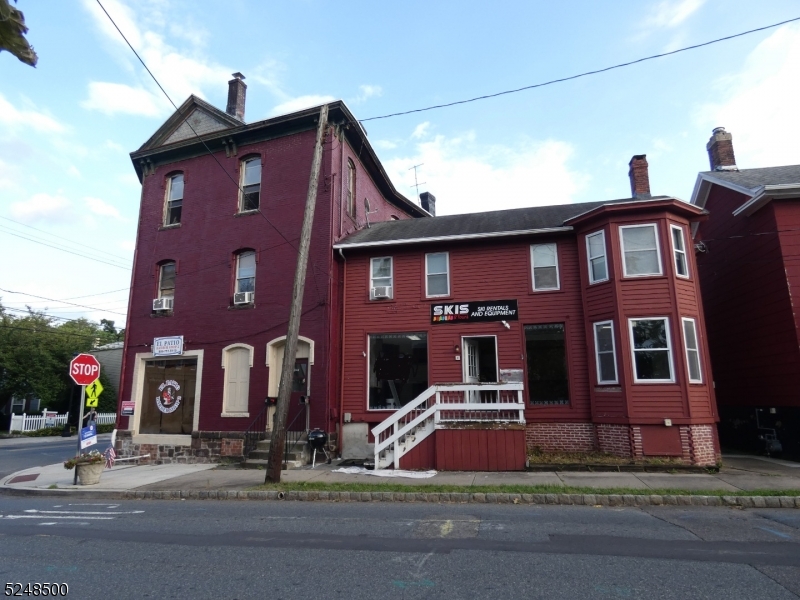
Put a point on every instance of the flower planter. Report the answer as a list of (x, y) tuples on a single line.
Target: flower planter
[(89, 474)]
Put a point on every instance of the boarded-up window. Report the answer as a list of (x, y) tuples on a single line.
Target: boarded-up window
[(237, 362), (168, 403)]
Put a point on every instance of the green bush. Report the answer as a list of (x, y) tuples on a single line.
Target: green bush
[(47, 431)]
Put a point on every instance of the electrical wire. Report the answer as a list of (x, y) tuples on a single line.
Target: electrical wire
[(48, 331), (9, 232), (62, 302), (585, 74)]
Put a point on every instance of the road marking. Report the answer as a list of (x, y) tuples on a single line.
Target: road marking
[(83, 512), (89, 504), (51, 517), (785, 536), (446, 528)]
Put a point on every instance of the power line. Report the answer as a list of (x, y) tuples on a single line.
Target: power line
[(64, 249), (63, 302), (49, 331), (586, 74)]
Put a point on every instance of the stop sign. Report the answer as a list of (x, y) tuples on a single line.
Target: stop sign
[(84, 369)]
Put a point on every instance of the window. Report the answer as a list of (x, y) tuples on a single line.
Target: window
[(398, 368), (251, 185), (652, 358), (437, 278), (640, 250), (546, 350), (246, 272), (596, 252), (237, 360), (679, 251), (172, 383), (17, 405), (351, 188), (166, 280), (174, 204), (544, 258), (605, 354), (381, 272), (692, 350)]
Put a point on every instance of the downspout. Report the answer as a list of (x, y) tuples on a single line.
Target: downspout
[(341, 357)]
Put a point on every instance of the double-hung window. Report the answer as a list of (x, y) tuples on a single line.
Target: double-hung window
[(605, 354), (246, 272), (351, 188), (544, 261), (381, 278), (251, 185), (692, 350), (640, 251), (679, 251), (596, 253), (174, 201), (437, 274), (652, 352), (166, 280)]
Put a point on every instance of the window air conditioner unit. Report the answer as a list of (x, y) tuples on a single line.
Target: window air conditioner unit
[(243, 297), (162, 303), (384, 291)]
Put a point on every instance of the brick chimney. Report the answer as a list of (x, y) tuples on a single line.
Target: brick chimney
[(428, 202), (640, 177), (720, 151), (237, 89)]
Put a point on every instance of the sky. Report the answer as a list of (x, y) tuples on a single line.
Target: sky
[(69, 196)]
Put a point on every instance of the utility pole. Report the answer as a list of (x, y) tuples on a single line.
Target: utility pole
[(278, 441)]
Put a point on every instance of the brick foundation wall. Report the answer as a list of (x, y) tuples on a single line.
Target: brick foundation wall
[(561, 437), (703, 448), (206, 447), (614, 439)]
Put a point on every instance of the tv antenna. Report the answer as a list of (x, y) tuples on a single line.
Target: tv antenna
[(416, 182)]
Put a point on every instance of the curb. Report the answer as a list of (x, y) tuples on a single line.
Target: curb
[(627, 500)]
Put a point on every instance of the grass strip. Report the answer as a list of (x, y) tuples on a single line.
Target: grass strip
[(505, 489)]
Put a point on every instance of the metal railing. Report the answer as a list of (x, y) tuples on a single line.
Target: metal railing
[(25, 422), (257, 430)]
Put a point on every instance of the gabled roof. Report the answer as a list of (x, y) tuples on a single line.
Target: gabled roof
[(498, 223), (760, 185)]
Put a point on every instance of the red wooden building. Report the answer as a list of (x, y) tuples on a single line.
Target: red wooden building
[(750, 277), (220, 217), (469, 338)]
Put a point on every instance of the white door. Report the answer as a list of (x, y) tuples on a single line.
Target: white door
[(472, 368)]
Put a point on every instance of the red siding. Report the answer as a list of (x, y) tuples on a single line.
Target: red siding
[(480, 449), (421, 457)]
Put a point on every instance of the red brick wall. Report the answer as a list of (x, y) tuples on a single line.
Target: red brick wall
[(614, 439), (561, 437), (703, 445)]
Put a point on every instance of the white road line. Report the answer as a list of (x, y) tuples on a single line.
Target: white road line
[(83, 512), (49, 517), (88, 504)]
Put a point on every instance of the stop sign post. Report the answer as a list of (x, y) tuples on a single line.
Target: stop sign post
[(84, 369)]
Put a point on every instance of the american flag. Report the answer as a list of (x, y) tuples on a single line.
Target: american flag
[(110, 457)]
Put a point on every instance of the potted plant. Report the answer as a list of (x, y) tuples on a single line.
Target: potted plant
[(89, 466)]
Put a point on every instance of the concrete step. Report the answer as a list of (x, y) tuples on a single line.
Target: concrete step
[(262, 464)]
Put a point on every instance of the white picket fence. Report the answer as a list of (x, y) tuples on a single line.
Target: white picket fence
[(25, 422)]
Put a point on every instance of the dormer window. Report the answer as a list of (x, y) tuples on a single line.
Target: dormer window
[(251, 185), (174, 200)]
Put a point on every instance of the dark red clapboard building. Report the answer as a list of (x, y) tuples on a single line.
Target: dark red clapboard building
[(468, 339), (219, 223), (749, 262)]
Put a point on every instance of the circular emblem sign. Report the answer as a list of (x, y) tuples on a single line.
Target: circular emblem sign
[(168, 400)]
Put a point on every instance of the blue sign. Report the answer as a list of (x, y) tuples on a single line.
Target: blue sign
[(88, 435)]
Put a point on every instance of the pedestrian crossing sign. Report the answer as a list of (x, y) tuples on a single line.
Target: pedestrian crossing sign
[(93, 390)]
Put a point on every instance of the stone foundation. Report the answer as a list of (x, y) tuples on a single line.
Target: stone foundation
[(206, 447)]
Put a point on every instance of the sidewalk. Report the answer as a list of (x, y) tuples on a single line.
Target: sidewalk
[(740, 474)]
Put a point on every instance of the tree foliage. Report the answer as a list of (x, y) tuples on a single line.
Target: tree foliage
[(12, 34), (35, 353)]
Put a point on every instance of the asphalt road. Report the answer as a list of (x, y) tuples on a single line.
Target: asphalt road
[(299, 551), (21, 453)]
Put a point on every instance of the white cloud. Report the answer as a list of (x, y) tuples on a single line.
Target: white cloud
[(420, 130), (668, 14), (43, 208), (112, 98), (758, 105), (466, 176), (112, 145), (73, 171), (365, 92), (127, 245), (14, 118), (300, 103), (385, 144), (102, 208)]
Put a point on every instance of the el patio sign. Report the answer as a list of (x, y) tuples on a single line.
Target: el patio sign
[(168, 346), (473, 312)]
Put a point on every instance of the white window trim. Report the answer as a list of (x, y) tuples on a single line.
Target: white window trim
[(161, 277), (243, 169), (697, 350), (447, 272), (600, 380), (589, 256), (658, 250), (533, 270), (675, 251), (225, 412), (668, 349), (236, 276), (165, 215), (391, 270)]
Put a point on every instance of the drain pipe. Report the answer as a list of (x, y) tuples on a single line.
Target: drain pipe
[(341, 357)]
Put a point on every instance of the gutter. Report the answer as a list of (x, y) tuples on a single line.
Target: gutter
[(446, 238), (764, 194)]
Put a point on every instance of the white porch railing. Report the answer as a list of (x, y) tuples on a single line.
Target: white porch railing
[(445, 403), (25, 422)]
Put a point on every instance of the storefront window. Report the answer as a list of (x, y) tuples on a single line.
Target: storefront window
[(547, 364), (168, 404), (398, 368)]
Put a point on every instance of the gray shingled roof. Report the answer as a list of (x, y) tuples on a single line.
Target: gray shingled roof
[(755, 178), (493, 222)]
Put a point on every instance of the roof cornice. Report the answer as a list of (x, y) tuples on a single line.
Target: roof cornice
[(666, 203), (764, 194), (453, 238)]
